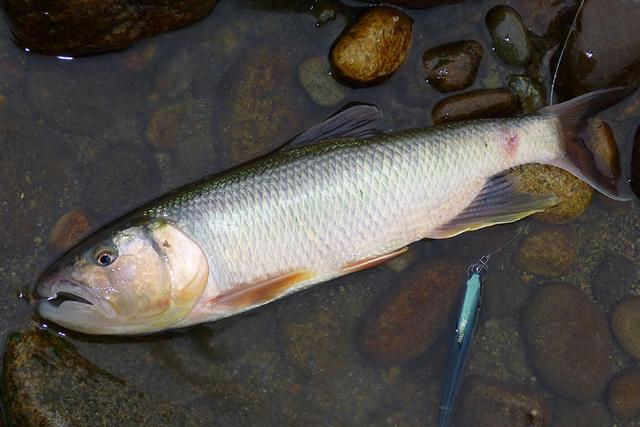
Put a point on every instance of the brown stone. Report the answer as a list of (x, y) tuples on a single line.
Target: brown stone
[(412, 319), (162, 129), (574, 195), (570, 345), (476, 104), (548, 252), (625, 323), (80, 27), (374, 47), (624, 393), (452, 66), (68, 230)]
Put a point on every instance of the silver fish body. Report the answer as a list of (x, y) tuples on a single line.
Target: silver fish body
[(307, 215), (322, 208)]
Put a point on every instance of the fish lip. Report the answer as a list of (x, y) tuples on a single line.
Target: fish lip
[(49, 292)]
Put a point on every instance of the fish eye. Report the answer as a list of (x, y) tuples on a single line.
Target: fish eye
[(105, 256)]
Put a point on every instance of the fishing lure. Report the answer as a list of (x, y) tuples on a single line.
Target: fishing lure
[(459, 347)]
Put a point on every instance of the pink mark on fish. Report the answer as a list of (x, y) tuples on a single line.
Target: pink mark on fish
[(510, 142)]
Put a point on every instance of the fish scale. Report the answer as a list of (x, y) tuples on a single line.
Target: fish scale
[(320, 208)]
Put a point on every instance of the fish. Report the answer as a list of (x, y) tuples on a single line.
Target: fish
[(338, 199), (461, 342)]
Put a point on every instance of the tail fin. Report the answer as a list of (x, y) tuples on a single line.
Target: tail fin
[(578, 159)]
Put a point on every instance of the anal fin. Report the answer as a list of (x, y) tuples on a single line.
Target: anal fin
[(250, 295), (499, 202), (371, 262)]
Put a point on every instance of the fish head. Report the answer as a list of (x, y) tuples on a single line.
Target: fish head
[(134, 280)]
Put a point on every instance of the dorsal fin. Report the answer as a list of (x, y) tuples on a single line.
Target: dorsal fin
[(353, 121)]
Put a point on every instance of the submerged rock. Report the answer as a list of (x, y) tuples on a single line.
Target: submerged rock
[(623, 394), (613, 279), (604, 51), (315, 76), (508, 35), (569, 342), (548, 252), (374, 47), (575, 195), (475, 104), (529, 92), (452, 66), (68, 230), (46, 382), (77, 27), (491, 403), (163, 126), (413, 318), (625, 323), (260, 108)]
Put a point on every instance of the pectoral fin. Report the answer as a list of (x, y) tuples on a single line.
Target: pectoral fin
[(498, 202), (250, 295), (371, 262)]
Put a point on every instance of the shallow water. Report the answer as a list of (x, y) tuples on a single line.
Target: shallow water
[(74, 136)]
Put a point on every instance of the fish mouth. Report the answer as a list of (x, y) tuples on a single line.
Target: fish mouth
[(64, 295)]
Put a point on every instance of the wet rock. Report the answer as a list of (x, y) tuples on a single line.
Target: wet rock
[(544, 18), (604, 51), (372, 48), (635, 164), (260, 104), (417, 4), (548, 252), (163, 126), (591, 414), (68, 230), (413, 318), (475, 105), (508, 35), (315, 76), (498, 351), (503, 293), (491, 403), (79, 27), (575, 196), (529, 92), (625, 323), (317, 335), (613, 279), (452, 66), (46, 382), (623, 394), (569, 342), (599, 138)]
